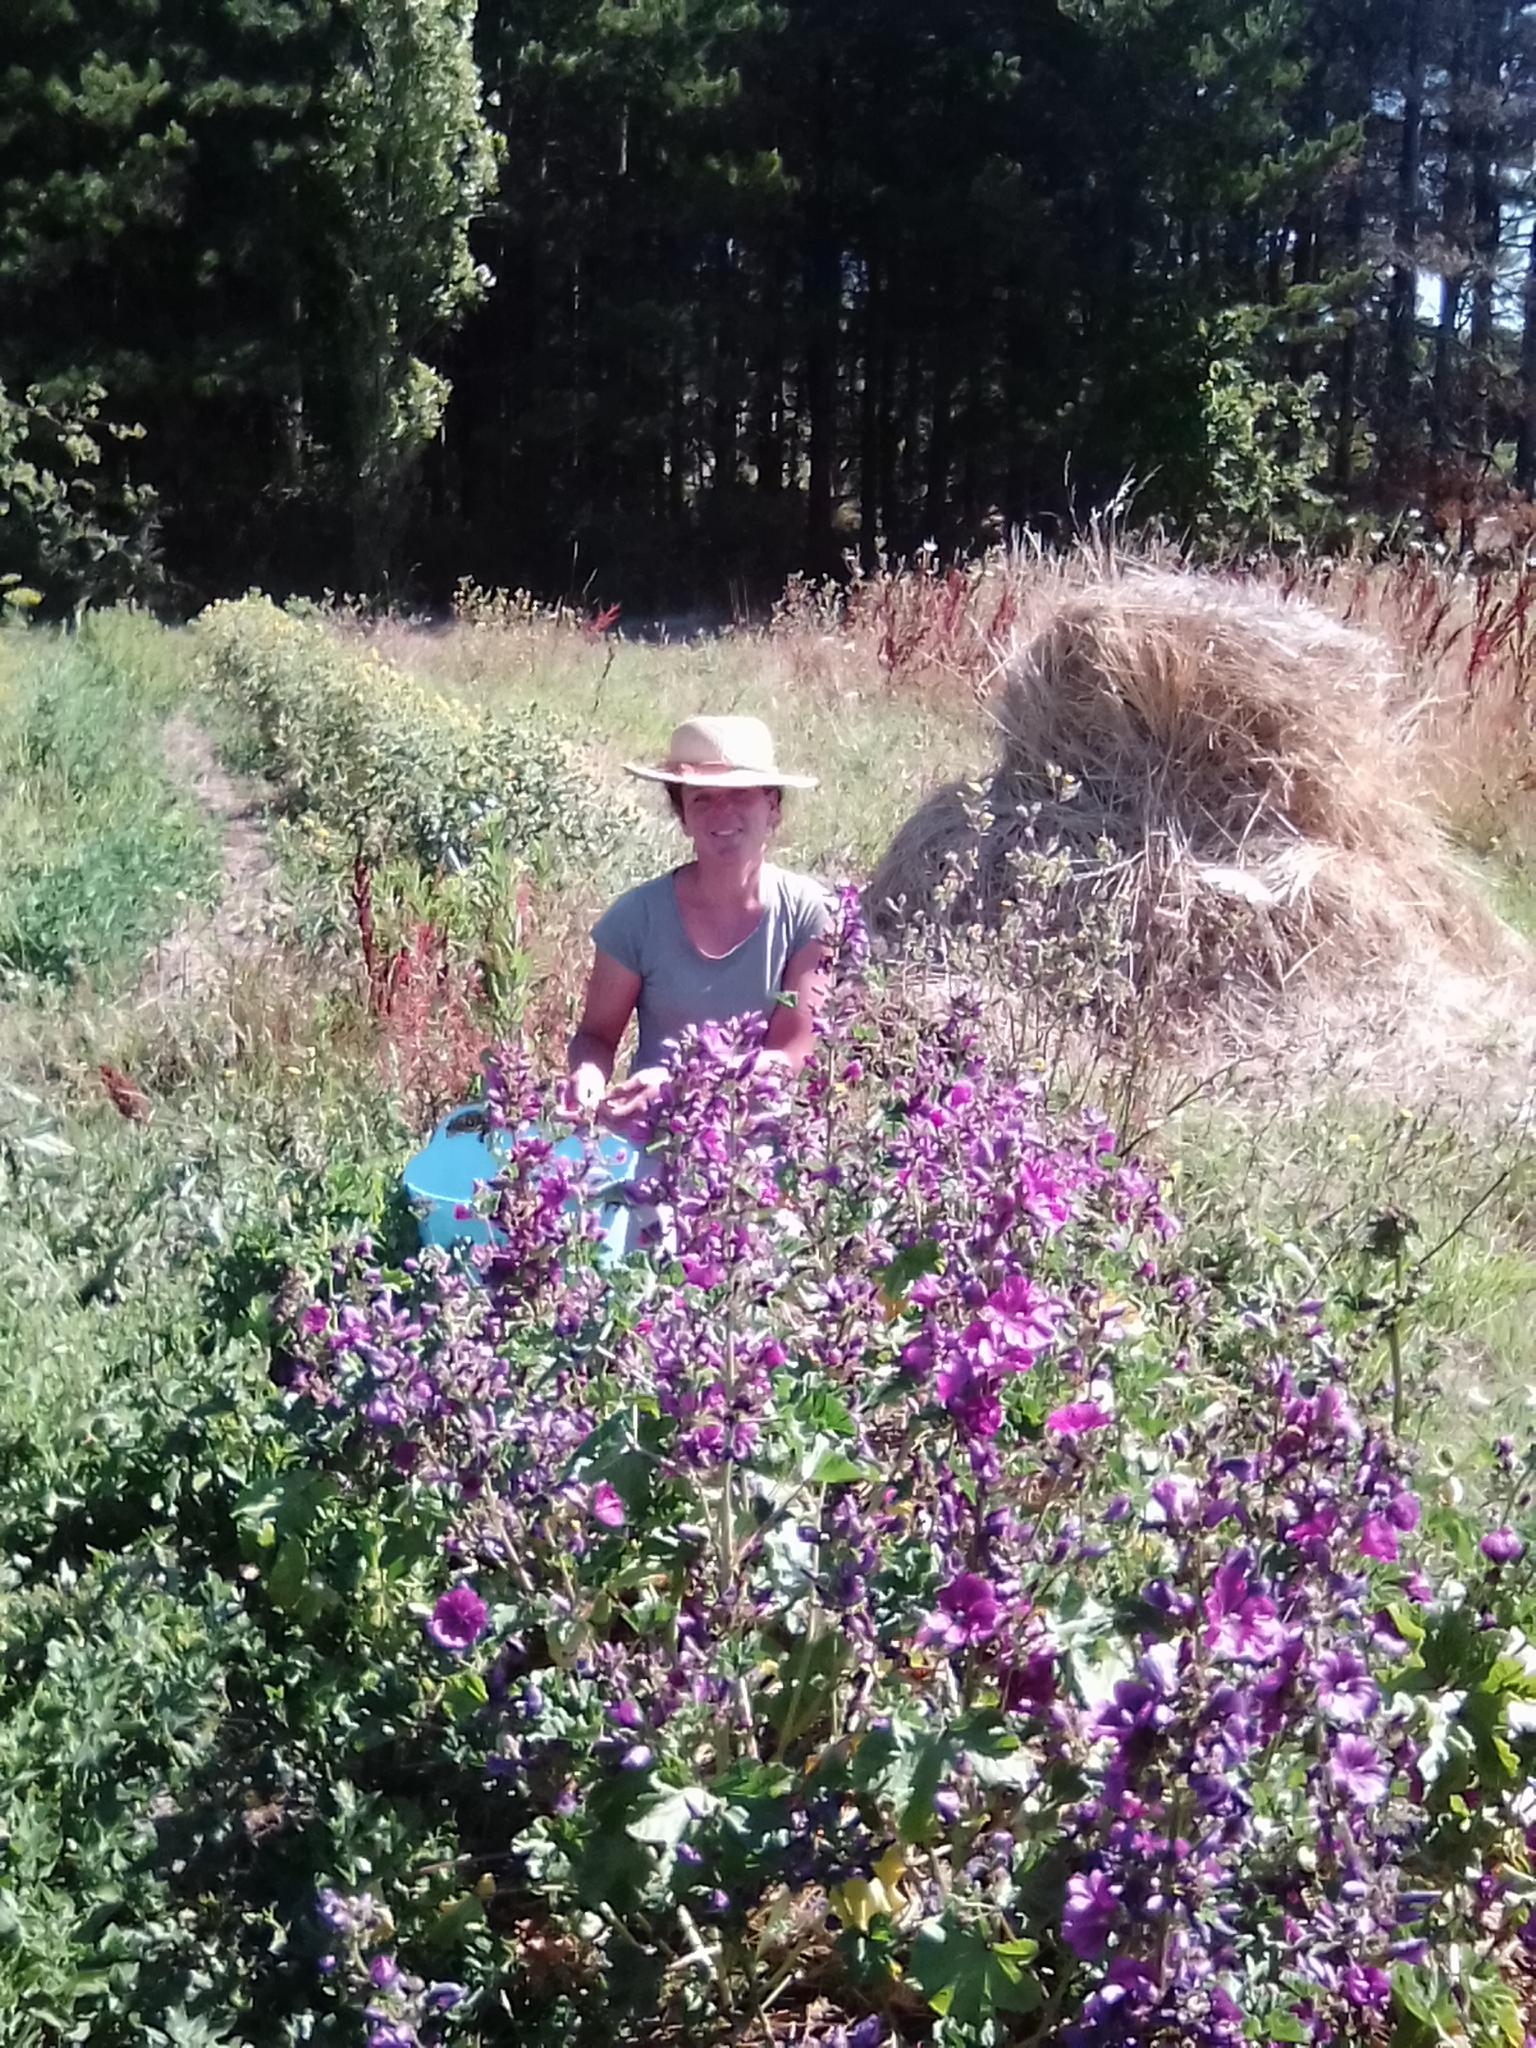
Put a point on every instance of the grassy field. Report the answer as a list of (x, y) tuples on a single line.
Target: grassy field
[(215, 1684)]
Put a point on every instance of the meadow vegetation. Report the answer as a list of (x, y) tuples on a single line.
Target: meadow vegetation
[(1047, 1561)]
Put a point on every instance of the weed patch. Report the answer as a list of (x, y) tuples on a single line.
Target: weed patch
[(102, 853)]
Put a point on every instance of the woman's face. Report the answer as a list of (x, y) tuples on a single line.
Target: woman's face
[(730, 824)]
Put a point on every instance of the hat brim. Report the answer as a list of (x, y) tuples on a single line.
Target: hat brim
[(720, 778)]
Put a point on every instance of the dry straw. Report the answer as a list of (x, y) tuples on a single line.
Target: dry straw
[(1240, 775)]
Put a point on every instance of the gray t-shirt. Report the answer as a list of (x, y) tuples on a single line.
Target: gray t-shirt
[(679, 986)]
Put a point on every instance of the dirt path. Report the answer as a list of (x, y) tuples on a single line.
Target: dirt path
[(197, 953)]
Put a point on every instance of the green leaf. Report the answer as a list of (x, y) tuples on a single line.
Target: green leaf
[(455, 1920), (1277, 2026), (825, 1413), (832, 1468), (288, 1580), (287, 1505), (668, 1813), (464, 1695), (931, 1759), (909, 1265), (967, 1979)]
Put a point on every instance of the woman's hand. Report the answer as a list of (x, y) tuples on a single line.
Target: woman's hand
[(581, 1093), (630, 1107)]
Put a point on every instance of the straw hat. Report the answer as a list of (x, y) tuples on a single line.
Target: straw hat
[(721, 753)]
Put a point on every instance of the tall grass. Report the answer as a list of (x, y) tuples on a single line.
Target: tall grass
[(873, 682), (102, 853), (875, 750)]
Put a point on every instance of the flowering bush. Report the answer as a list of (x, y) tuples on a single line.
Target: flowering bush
[(908, 1604)]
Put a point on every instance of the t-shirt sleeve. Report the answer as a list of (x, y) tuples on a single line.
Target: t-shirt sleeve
[(810, 912), (620, 931)]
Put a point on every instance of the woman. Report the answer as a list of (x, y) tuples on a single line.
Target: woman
[(726, 935)]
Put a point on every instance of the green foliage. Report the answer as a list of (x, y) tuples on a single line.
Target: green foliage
[(102, 854), (79, 533), (388, 767), (188, 1749), (1263, 454), (403, 171), (759, 280)]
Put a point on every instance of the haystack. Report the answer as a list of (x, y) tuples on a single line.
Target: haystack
[(1237, 774)]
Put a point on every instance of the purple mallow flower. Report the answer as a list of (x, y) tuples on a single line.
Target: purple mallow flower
[(1345, 1691), (1243, 1626), (1502, 1546), (458, 1620), (1088, 1914), (1077, 1418), (1221, 1547), (967, 1613), (1022, 1319), (1359, 1770), (606, 1509)]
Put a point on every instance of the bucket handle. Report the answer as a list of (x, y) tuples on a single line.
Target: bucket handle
[(468, 1121)]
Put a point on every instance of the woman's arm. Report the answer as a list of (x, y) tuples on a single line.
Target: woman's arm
[(612, 992), (792, 1026)]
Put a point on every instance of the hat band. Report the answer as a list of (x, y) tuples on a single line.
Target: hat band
[(707, 768)]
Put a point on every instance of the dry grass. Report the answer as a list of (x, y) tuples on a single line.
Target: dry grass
[(1297, 765), (875, 746), (1241, 775)]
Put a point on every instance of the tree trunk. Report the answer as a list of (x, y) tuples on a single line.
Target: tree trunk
[(1398, 425), (1488, 66), (911, 446), (1346, 366), (1303, 272), (1525, 450), (885, 422), (1453, 236), (821, 297), (727, 380), (940, 452), (869, 420), (768, 383)]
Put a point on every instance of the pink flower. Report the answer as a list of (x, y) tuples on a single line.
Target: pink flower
[(1077, 1418), (606, 1507), (1378, 1539), (1502, 1546), (1314, 1527), (1335, 1417), (314, 1319), (458, 1620)]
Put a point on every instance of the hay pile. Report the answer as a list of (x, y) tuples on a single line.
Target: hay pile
[(1236, 774)]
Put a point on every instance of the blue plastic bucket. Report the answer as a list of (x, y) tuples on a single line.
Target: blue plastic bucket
[(461, 1156)]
